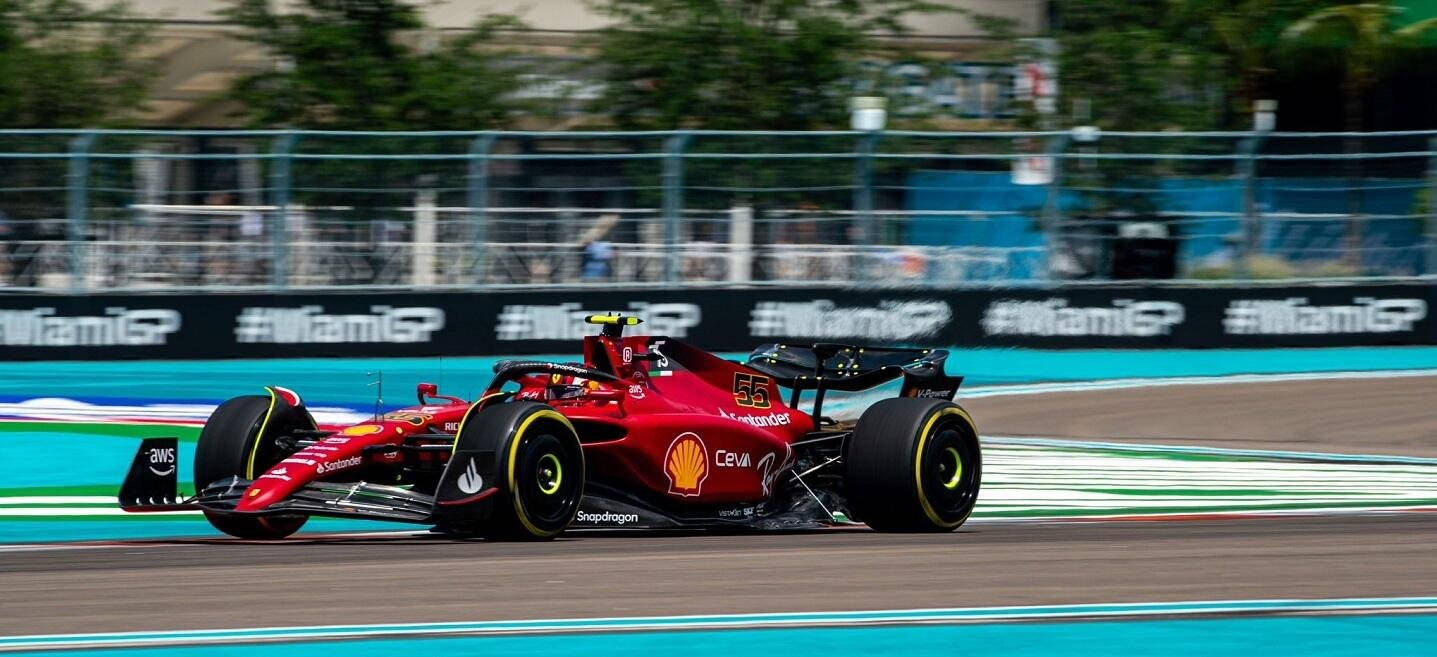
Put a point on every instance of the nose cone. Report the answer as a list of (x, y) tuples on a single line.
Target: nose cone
[(300, 468), (275, 485), (260, 494)]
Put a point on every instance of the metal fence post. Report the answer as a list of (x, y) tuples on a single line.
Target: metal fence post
[(279, 177), (1251, 221), (477, 199), (1430, 266), (673, 179), (1052, 208), (863, 188), (77, 208)]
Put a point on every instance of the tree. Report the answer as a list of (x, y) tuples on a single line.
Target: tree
[(1193, 64), (344, 64), (739, 64), (1248, 36), (1367, 32), (65, 65), (1122, 59)]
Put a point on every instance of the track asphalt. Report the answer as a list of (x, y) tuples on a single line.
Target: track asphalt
[(218, 584)]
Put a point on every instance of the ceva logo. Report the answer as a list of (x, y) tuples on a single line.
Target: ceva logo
[(687, 465)]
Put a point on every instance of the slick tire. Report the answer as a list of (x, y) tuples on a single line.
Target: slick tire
[(232, 444), (541, 469), (913, 465)]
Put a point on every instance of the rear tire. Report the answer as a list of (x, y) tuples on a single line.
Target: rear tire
[(913, 465), (231, 445), (541, 469)]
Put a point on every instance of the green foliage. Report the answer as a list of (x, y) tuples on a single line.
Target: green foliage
[(345, 64), (1190, 64), (1369, 37), (66, 65), (739, 64)]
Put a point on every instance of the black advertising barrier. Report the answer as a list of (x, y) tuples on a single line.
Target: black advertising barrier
[(525, 322), (1204, 317)]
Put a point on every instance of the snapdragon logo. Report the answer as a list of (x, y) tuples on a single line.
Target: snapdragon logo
[(1295, 316), (118, 327), (607, 518), (565, 321), (311, 325), (822, 318), (1054, 317)]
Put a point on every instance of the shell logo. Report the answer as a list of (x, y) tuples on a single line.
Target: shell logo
[(362, 430), (687, 465)]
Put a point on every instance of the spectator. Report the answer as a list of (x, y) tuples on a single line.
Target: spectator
[(598, 261)]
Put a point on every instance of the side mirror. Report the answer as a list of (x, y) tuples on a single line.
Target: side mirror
[(426, 390)]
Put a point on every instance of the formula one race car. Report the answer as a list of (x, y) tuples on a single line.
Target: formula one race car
[(648, 432)]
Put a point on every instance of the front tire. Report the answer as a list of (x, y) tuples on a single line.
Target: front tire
[(236, 443), (913, 465), (541, 469)]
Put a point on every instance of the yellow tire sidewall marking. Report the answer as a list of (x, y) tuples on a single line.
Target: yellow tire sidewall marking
[(918, 462), (254, 449), (476, 406), (269, 412), (513, 461)]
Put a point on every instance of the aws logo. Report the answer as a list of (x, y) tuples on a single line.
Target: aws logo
[(687, 465)]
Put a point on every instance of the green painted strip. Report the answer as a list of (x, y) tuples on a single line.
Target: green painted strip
[(1108, 450), (77, 489), (1182, 510), (118, 517), (186, 433), (52, 505), (1217, 492)]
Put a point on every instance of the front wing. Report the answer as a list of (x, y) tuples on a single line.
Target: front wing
[(152, 485)]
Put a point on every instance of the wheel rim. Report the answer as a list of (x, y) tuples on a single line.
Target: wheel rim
[(545, 479), (951, 469), (951, 462), (550, 474)]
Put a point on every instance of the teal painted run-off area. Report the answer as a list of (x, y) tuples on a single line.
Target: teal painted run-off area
[(346, 381), (1305, 636)]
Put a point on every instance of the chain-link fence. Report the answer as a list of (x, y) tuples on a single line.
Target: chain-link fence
[(84, 210)]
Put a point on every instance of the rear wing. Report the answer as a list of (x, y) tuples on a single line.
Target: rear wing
[(827, 366)]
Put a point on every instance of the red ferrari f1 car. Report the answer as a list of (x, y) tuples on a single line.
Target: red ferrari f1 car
[(648, 432)]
